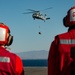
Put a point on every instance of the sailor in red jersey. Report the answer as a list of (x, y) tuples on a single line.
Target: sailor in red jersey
[(10, 63), (61, 58)]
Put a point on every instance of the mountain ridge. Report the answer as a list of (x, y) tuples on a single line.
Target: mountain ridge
[(39, 54)]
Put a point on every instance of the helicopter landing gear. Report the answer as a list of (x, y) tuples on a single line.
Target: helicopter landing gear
[(34, 18)]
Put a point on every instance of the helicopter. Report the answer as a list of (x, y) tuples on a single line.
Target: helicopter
[(38, 15)]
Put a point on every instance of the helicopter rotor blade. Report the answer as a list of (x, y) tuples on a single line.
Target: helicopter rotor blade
[(27, 12), (46, 9), (33, 10)]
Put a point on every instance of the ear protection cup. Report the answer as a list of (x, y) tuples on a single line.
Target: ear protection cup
[(10, 40), (64, 21)]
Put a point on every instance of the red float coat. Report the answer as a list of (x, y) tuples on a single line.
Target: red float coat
[(62, 54), (10, 63)]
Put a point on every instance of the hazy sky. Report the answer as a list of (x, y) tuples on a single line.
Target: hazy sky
[(25, 29)]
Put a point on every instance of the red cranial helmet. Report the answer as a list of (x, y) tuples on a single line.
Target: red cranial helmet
[(69, 19), (5, 37)]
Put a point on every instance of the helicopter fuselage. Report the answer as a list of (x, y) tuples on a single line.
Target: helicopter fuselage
[(38, 16)]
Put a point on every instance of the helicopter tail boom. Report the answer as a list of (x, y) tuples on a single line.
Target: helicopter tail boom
[(47, 18)]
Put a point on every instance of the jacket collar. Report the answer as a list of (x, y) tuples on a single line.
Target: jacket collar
[(71, 28)]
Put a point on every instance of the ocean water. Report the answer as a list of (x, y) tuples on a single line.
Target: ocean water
[(35, 63)]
